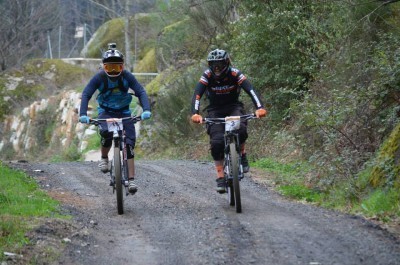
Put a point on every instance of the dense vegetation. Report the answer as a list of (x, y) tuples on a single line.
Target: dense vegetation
[(329, 72)]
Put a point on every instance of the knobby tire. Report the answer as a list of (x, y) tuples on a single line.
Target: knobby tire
[(235, 175), (118, 180), (125, 175), (228, 174), (231, 193)]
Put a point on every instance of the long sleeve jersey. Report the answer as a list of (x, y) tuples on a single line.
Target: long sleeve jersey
[(113, 93), (224, 92)]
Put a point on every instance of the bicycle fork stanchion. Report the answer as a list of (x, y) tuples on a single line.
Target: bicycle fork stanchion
[(125, 173)]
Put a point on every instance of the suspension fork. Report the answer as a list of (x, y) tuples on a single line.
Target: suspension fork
[(239, 151), (235, 137), (125, 174), (229, 138), (237, 143), (123, 146)]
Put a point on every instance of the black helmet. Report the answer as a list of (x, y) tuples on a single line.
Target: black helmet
[(113, 56), (113, 61), (218, 62)]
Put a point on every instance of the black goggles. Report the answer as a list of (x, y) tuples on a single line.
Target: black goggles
[(217, 64)]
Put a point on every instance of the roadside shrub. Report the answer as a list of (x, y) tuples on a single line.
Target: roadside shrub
[(72, 153), (346, 115), (382, 203), (173, 107)]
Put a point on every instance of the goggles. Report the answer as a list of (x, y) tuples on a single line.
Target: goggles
[(113, 69), (217, 66)]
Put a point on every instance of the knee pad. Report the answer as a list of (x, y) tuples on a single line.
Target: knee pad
[(243, 136), (106, 138), (217, 150), (129, 151), (106, 142)]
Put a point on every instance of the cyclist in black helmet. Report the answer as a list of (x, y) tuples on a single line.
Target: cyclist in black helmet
[(222, 85), (113, 83)]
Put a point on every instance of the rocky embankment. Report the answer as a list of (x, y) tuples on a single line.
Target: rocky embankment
[(47, 126)]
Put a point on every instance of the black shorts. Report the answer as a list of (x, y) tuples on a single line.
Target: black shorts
[(217, 131), (129, 127)]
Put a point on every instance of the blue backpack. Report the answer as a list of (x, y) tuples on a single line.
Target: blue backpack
[(121, 103)]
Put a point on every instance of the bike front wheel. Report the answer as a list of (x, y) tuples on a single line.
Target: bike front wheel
[(235, 176), (118, 180)]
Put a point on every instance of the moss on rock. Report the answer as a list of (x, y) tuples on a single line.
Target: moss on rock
[(148, 63), (386, 171)]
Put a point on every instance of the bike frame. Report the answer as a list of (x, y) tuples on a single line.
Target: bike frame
[(119, 172), (233, 170)]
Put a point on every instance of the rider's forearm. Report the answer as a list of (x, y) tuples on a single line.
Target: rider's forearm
[(198, 93), (255, 97), (144, 101), (140, 92), (87, 94), (84, 105)]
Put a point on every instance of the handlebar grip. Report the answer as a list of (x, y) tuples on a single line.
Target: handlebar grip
[(93, 121)]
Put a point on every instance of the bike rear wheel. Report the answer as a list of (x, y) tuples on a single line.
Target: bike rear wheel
[(235, 176), (118, 180)]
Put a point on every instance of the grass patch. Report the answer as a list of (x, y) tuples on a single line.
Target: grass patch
[(64, 72), (93, 142), (382, 204), (290, 178), (300, 192), (284, 173), (353, 195), (21, 201)]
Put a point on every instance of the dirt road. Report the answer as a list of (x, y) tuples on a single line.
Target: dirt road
[(177, 218)]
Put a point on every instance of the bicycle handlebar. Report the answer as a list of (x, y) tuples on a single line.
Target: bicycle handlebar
[(133, 118), (223, 120)]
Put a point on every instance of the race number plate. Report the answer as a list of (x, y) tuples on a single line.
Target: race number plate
[(114, 125), (232, 123)]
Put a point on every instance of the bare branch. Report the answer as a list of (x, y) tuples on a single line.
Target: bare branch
[(104, 7)]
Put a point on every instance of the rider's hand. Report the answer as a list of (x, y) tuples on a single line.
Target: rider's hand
[(145, 115), (84, 119), (261, 112), (196, 118)]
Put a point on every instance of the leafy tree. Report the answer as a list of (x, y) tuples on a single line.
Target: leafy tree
[(281, 44)]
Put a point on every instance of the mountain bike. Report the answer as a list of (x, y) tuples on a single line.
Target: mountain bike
[(233, 170), (119, 167)]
